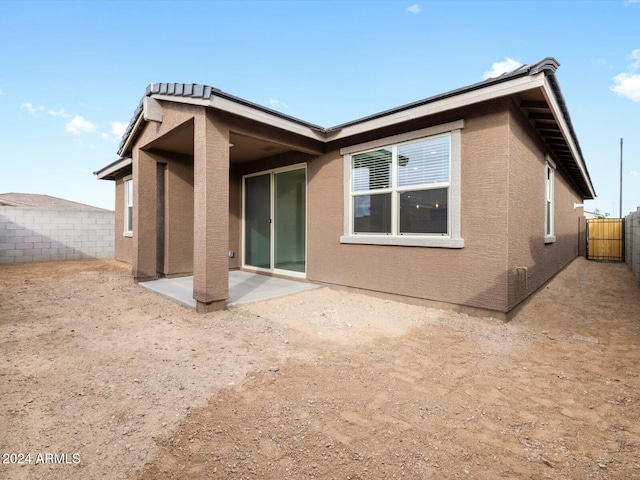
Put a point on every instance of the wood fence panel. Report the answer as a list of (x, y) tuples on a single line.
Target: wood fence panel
[(605, 239)]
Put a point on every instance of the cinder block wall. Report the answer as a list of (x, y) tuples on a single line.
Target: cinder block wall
[(40, 235), (632, 242)]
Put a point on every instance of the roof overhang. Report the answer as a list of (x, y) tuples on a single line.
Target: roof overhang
[(539, 77), (550, 117), (109, 172), (205, 96), (565, 148), (438, 105)]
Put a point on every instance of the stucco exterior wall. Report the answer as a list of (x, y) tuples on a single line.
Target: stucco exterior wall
[(531, 261), (189, 210), (178, 218), (235, 218), (473, 276), (179, 207), (123, 244)]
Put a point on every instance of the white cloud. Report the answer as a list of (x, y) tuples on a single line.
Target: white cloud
[(118, 128), (59, 113), (628, 84), (78, 125), (629, 2), (415, 9), (277, 103), (31, 109), (117, 131), (635, 173), (498, 68)]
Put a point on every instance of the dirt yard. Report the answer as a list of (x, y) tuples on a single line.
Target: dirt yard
[(102, 379)]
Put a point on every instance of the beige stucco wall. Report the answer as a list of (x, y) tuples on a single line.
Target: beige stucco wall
[(502, 211), (473, 276), (531, 262), (235, 218), (178, 251), (123, 245), (179, 217)]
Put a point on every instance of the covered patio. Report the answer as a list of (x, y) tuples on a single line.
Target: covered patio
[(244, 287), (192, 151)]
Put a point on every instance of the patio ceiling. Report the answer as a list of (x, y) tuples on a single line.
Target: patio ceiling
[(243, 148)]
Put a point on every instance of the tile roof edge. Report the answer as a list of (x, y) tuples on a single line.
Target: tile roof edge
[(198, 91)]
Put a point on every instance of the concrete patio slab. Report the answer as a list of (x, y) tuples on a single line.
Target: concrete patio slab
[(244, 287)]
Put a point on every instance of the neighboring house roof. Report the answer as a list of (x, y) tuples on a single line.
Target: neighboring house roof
[(43, 201), (550, 117)]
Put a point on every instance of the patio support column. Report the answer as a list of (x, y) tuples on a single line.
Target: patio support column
[(144, 261), (211, 213)]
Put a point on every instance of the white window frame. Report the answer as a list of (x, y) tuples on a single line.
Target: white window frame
[(549, 200), (453, 239), (128, 202)]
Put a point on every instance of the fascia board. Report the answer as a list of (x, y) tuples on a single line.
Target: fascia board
[(202, 102), (230, 106), (566, 132), (102, 174), (263, 117), (132, 134), (462, 100)]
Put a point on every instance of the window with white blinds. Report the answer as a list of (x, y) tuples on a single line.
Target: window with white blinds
[(425, 162), (402, 189), (372, 170)]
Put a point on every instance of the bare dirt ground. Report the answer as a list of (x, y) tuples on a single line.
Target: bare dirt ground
[(321, 384)]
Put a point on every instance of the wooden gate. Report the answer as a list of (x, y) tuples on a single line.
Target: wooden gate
[(605, 239)]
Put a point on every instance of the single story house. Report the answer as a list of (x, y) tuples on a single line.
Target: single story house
[(464, 200)]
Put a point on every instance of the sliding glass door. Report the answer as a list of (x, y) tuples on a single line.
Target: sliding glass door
[(257, 215), (275, 220)]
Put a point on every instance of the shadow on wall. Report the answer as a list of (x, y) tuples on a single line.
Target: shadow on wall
[(59, 235), (543, 263)]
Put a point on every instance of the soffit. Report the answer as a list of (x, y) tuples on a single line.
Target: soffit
[(552, 128), (246, 149), (179, 140), (242, 148), (113, 169)]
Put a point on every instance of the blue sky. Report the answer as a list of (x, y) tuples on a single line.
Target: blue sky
[(72, 73)]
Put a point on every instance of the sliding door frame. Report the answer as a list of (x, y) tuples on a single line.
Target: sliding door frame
[(272, 270)]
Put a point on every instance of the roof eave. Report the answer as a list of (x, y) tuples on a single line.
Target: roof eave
[(558, 105), (212, 97), (547, 65), (108, 172), (537, 75)]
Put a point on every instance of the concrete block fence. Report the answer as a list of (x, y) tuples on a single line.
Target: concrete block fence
[(30, 234), (632, 242)]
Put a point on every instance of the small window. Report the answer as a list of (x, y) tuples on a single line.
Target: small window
[(549, 230), (128, 206)]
